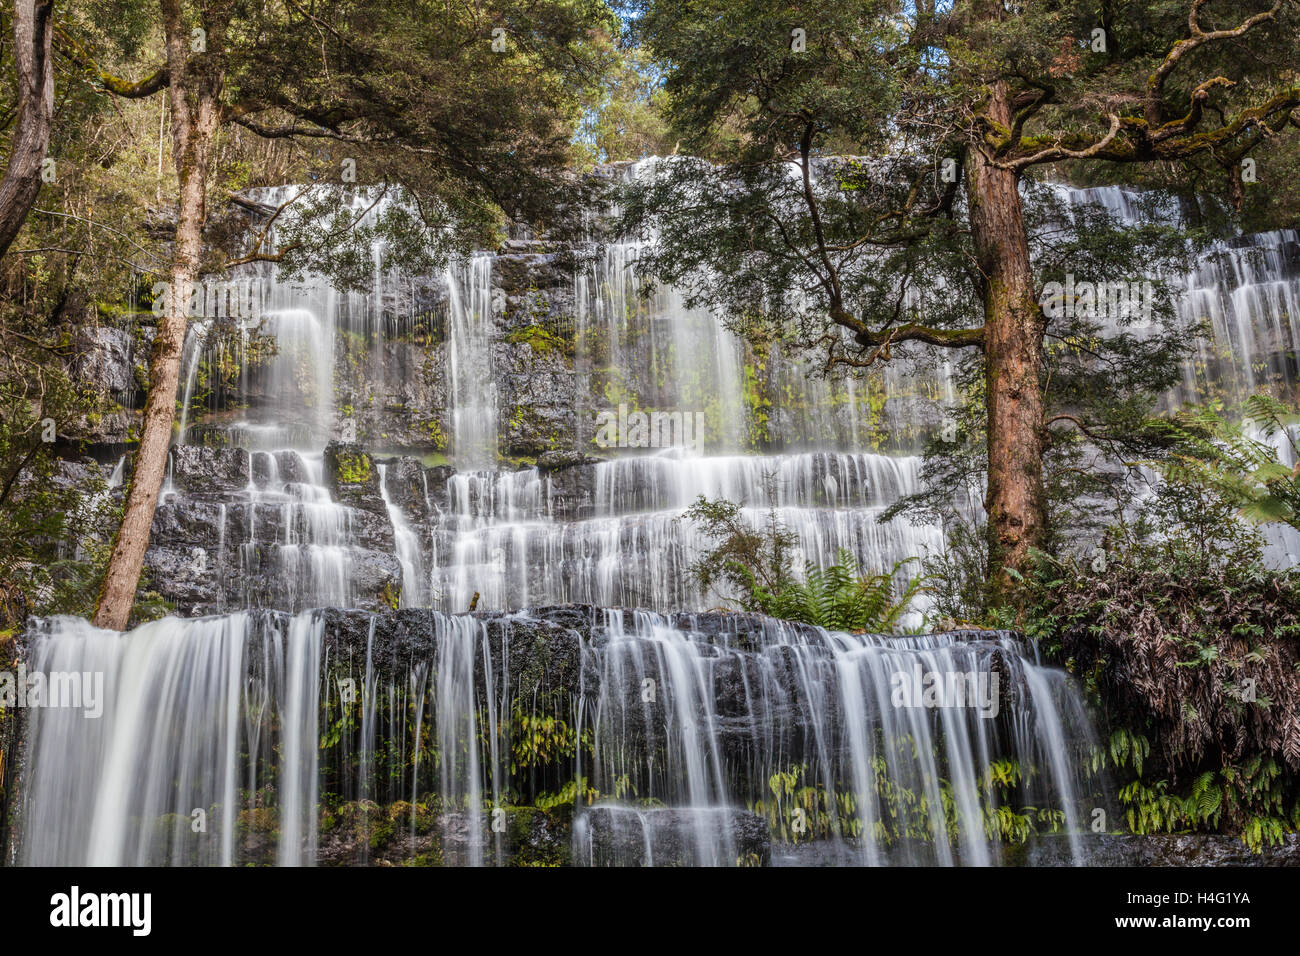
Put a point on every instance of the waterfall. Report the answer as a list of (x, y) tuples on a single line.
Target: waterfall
[(1247, 287), (616, 535), (307, 561), (633, 548), (288, 731), (1282, 541), (407, 544), (829, 456), (469, 363), (195, 336), (195, 714), (241, 738), (828, 705), (655, 346), (1248, 290)]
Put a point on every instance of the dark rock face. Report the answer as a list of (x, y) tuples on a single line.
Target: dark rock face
[(213, 556), (104, 364), (410, 487), (1163, 850), (218, 545), (395, 395), (104, 358), (365, 833), (617, 836), (79, 476), (204, 470), (352, 478), (541, 399), (541, 652)]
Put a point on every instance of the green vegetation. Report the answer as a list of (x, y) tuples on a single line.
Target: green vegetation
[(1189, 648), (541, 339), (841, 598), (1237, 459), (352, 467), (870, 182), (753, 569)]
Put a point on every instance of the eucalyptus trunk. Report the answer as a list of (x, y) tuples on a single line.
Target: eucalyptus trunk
[(194, 92), (35, 66), (1014, 329)]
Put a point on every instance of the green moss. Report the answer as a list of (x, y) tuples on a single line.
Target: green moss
[(520, 824), (432, 429), (541, 339), (352, 467), (758, 405), (259, 820)]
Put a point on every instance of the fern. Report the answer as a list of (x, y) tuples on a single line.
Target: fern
[(841, 598), (751, 567), (1239, 462)]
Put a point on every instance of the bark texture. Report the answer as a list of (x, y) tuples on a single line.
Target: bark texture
[(1013, 356), (194, 95), (33, 30)]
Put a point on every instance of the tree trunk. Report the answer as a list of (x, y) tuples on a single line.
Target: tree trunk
[(1013, 358), (35, 67), (194, 94)]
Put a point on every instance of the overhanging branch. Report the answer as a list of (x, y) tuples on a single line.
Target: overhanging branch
[(1199, 37), (76, 53)]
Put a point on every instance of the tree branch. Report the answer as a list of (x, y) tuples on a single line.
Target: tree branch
[(1058, 152), (75, 52), (1199, 37)]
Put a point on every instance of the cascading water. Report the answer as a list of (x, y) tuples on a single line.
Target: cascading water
[(679, 739), (1247, 289), (473, 387), (634, 549), (199, 717), (408, 547), (818, 732), (674, 739), (499, 534)]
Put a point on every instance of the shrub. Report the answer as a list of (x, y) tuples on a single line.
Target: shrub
[(754, 566), (1189, 647)]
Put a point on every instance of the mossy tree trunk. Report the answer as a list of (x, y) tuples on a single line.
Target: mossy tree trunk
[(33, 30), (1014, 328), (195, 81)]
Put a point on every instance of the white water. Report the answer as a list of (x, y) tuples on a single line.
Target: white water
[(507, 537), (635, 549), (408, 548), (307, 561), (1248, 290), (225, 714), (196, 712), (227, 717), (473, 392)]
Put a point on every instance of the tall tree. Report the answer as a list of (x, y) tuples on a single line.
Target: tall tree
[(35, 110), (194, 78), (948, 107), (468, 109)]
